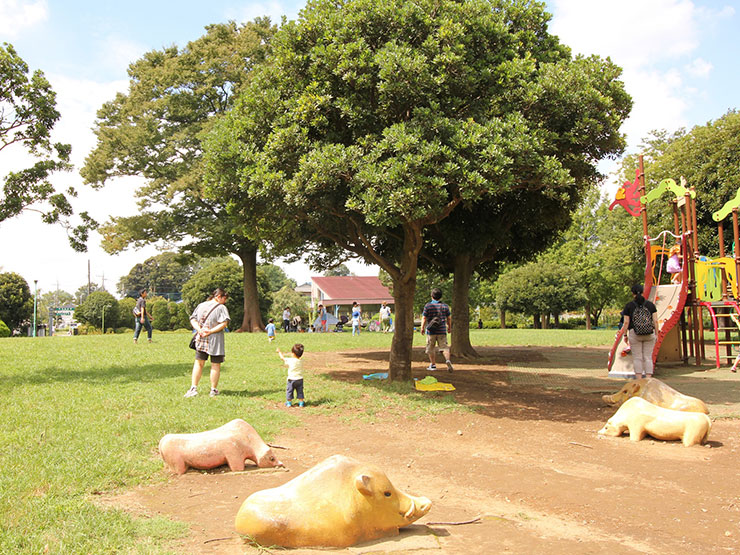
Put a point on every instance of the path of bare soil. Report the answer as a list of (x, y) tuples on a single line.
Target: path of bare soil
[(527, 461)]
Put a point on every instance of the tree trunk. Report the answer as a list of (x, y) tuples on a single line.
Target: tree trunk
[(404, 287), (588, 315), (545, 320), (252, 320), (537, 324), (502, 318), (556, 319), (460, 337)]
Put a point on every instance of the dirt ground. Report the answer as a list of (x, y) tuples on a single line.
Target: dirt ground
[(527, 464)]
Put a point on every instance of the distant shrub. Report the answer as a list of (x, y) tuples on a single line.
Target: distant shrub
[(124, 330), (178, 330), (4, 329)]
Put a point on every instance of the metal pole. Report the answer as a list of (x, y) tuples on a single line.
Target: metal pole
[(35, 303), (103, 319)]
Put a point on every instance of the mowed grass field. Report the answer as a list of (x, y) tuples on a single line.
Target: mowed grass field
[(83, 415)]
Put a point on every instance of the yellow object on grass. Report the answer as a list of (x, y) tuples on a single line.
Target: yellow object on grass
[(430, 383)]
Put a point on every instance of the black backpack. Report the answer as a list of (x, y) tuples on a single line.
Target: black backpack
[(642, 320)]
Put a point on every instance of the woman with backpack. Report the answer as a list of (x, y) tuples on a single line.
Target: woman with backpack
[(641, 323)]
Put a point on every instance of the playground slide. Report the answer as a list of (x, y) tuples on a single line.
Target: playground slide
[(669, 300)]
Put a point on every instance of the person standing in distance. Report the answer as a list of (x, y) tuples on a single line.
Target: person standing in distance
[(143, 317), (209, 320), (641, 325), (286, 319), (435, 321)]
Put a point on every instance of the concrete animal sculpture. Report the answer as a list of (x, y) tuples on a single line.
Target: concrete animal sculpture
[(337, 503), (657, 393), (641, 418), (231, 444)]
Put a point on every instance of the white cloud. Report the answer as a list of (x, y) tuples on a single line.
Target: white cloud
[(699, 68), (633, 33), (16, 15)]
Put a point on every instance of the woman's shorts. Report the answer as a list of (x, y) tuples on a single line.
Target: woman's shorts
[(201, 355)]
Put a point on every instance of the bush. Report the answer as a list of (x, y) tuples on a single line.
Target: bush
[(4, 329), (124, 330)]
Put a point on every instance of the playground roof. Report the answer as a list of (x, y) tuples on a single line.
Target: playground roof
[(341, 290)]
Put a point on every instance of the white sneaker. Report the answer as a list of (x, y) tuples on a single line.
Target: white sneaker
[(449, 366), (192, 392), (432, 367), (214, 392)]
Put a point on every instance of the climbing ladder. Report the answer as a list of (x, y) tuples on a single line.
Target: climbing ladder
[(725, 320)]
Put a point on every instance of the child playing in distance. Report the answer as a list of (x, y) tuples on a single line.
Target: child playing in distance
[(295, 374), (674, 266), (270, 329), (356, 315)]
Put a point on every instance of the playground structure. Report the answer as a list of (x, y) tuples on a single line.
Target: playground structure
[(709, 285)]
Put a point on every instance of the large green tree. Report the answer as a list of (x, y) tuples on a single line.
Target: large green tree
[(373, 122), (155, 131), (16, 301), (708, 157), (27, 117)]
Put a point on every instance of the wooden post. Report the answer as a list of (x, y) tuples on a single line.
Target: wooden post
[(643, 214)]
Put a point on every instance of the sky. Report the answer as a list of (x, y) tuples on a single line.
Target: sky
[(680, 61)]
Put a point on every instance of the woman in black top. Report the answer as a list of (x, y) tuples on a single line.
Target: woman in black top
[(642, 345)]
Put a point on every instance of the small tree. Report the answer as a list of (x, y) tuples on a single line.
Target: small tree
[(16, 301), (94, 306), (224, 273), (539, 289), (287, 296), (161, 313), (4, 330), (126, 312)]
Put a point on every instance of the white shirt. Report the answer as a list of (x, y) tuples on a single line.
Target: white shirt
[(295, 367)]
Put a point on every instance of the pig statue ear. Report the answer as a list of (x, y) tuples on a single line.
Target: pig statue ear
[(362, 483)]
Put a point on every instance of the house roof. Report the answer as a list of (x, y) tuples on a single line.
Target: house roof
[(347, 289)]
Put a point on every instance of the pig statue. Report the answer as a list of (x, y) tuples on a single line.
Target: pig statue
[(657, 393), (337, 503), (230, 444), (640, 418)]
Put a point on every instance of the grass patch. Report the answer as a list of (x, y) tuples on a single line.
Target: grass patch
[(83, 415)]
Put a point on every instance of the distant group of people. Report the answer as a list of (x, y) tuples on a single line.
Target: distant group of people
[(210, 320)]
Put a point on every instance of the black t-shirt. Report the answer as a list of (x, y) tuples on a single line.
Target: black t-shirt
[(630, 307)]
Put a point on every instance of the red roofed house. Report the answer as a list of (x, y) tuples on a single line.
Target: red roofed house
[(336, 291)]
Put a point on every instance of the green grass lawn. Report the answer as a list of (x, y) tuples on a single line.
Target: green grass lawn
[(83, 416)]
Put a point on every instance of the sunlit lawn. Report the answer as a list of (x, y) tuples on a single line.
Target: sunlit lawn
[(83, 416)]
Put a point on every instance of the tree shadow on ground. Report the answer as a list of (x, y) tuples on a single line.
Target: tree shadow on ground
[(558, 384), (94, 375)]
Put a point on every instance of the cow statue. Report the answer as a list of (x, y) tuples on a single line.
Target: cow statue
[(657, 393), (640, 418), (337, 503), (231, 444)]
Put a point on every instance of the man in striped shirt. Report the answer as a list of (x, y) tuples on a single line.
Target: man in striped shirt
[(435, 321)]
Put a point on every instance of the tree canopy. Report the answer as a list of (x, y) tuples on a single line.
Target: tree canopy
[(163, 274), (156, 131), (27, 117), (372, 122)]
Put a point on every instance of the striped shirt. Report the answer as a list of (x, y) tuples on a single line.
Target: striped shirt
[(440, 310)]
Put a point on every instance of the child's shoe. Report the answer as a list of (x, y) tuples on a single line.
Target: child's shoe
[(734, 368), (301, 404), (287, 403)]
